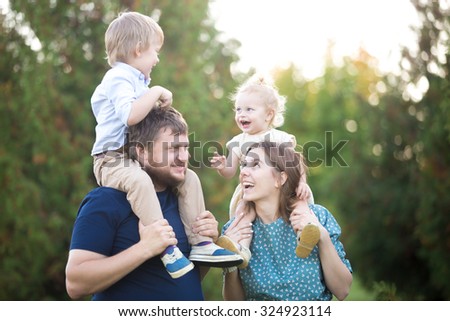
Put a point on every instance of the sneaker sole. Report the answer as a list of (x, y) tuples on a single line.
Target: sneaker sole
[(228, 244), (181, 272), (309, 238), (216, 261)]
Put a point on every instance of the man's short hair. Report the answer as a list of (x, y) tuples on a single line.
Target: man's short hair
[(148, 130)]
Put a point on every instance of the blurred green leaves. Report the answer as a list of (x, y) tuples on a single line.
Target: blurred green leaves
[(391, 200)]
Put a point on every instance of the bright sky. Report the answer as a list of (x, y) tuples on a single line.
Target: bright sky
[(276, 32)]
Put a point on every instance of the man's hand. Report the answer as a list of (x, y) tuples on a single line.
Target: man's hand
[(206, 225), (156, 237)]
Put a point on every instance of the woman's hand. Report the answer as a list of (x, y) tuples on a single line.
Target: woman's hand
[(237, 233), (302, 216), (206, 225), (303, 191)]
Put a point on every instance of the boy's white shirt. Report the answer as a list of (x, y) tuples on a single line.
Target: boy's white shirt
[(111, 104)]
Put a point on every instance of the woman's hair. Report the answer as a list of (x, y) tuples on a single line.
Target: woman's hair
[(127, 31), (283, 158), (263, 86)]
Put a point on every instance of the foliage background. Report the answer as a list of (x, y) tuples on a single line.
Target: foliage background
[(390, 195)]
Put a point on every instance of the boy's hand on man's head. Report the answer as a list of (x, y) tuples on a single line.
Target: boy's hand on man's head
[(165, 98)]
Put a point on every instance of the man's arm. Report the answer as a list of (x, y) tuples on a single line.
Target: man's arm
[(88, 272)]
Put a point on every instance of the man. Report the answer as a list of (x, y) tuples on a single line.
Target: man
[(115, 257)]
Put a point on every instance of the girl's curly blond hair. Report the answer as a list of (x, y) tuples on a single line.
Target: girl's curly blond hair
[(263, 85)]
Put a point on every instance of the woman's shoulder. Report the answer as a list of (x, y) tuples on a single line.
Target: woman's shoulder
[(317, 208), (325, 217), (322, 213)]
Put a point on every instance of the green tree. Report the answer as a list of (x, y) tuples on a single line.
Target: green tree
[(411, 175), (52, 59), (392, 198), (46, 131), (196, 66), (431, 64)]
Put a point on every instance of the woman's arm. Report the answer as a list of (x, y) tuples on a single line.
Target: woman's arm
[(232, 287), (338, 278)]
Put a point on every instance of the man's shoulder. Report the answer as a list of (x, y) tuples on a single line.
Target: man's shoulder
[(104, 191), (106, 197)]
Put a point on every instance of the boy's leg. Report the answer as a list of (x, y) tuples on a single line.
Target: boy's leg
[(309, 237), (191, 203), (126, 175)]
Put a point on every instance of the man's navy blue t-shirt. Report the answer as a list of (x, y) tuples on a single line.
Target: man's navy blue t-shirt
[(106, 224)]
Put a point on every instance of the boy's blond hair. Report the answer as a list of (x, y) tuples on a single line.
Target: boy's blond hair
[(263, 85), (126, 32)]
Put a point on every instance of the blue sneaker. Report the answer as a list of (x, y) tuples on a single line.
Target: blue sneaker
[(210, 254), (175, 262)]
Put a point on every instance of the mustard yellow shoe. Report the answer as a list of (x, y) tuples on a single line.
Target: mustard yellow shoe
[(227, 243), (307, 239)]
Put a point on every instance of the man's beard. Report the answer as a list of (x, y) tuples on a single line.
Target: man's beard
[(163, 178)]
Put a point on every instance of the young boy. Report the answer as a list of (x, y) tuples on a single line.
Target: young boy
[(123, 99)]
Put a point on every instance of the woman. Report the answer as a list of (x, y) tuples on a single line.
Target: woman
[(269, 176)]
